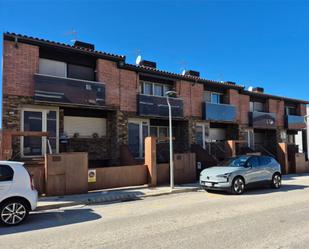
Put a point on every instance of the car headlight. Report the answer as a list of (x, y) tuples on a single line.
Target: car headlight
[(226, 175)]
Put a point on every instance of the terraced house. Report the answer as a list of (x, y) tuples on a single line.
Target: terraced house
[(86, 100)]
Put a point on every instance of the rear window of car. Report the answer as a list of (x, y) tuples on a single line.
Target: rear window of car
[(6, 173), (265, 160)]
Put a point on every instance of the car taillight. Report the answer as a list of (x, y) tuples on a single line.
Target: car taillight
[(31, 183)]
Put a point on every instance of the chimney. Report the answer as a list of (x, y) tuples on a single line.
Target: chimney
[(192, 73), (258, 89), (231, 82), (80, 44), (145, 63)]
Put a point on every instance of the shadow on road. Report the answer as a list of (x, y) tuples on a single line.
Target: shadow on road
[(295, 176), (264, 190), (50, 219), (284, 188)]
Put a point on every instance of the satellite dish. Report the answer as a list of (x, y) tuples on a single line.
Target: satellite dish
[(183, 72), (250, 88), (138, 60)]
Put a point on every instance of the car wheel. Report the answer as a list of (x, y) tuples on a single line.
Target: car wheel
[(276, 181), (238, 185), (13, 212)]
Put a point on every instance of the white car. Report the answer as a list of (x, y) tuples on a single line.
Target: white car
[(17, 193)]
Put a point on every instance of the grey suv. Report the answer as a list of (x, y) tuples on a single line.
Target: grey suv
[(237, 173)]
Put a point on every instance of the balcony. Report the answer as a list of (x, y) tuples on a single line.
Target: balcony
[(294, 122), (262, 120), (219, 112), (157, 106), (52, 89)]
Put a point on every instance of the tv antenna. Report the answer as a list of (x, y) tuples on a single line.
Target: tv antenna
[(73, 34), (183, 66)]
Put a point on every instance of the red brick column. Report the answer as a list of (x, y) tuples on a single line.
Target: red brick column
[(244, 108), (233, 98), (277, 107), (20, 63), (302, 110)]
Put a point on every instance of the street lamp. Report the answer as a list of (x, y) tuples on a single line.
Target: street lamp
[(307, 128), (168, 95)]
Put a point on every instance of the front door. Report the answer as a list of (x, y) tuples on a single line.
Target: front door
[(138, 130), (40, 121)]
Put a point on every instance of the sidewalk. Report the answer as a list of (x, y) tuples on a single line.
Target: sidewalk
[(112, 195)]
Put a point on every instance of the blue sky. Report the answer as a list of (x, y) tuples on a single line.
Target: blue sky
[(253, 43)]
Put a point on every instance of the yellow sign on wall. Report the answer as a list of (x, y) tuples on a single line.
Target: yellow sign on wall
[(92, 175)]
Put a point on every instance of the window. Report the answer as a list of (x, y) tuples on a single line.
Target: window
[(253, 162), (155, 89), (51, 127), (6, 173), (257, 106), (33, 121), (63, 69), (42, 120), (154, 131), (213, 97), (52, 67), (147, 88), (80, 72), (138, 130), (199, 135), (161, 132), (158, 90), (166, 88), (264, 160), (290, 110), (202, 134)]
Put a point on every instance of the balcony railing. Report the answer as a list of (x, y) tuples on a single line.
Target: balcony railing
[(295, 122), (263, 120), (157, 106), (68, 91), (219, 112)]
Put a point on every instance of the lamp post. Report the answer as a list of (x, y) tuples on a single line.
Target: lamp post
[(168, 95), (307, 128)]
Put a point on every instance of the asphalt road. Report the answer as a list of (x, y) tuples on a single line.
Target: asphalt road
[(257, 219)]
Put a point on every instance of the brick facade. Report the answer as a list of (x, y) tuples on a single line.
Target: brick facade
[(302, 110), (21, 62), (277, 106), (244, 108), (25, 58), (108, 73), (233, 99), (129, 90), (192, 95)]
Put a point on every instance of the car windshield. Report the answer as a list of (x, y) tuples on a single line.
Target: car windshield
[(239, 161)]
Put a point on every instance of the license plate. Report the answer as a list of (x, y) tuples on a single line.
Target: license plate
[(208, 184)]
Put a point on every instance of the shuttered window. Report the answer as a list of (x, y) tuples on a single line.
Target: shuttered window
[(84, 126), (52, 67), (80, 72)]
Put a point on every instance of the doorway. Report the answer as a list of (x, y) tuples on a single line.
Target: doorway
[(40, 120)]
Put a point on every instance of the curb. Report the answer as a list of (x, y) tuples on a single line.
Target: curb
[(113, 199)]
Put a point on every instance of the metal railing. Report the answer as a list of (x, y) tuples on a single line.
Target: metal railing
[(263, 150)]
